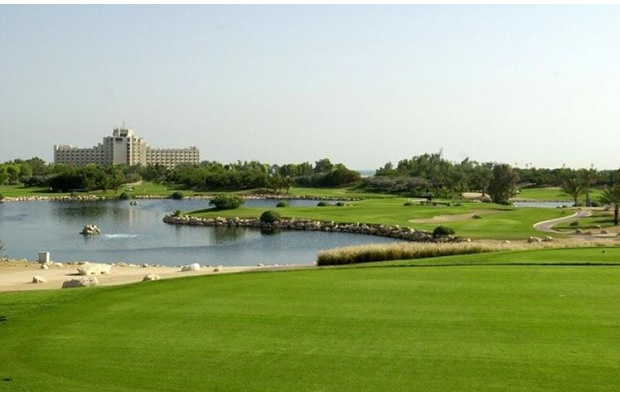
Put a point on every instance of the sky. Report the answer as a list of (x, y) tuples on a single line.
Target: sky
[(362, 85)]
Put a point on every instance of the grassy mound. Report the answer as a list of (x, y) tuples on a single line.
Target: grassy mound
[(470, 328)]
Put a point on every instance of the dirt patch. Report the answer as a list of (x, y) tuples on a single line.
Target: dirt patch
[(438, 219)]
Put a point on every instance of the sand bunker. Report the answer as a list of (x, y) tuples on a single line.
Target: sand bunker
[(438, 219)]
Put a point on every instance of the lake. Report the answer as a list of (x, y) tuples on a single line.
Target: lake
[(543, 204), (137, 234)]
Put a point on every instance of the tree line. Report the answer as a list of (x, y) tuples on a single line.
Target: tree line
[(433, 174), (204, 176)]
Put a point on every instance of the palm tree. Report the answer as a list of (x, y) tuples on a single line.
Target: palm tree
[(588, 179), (574, 187), (611, 195)]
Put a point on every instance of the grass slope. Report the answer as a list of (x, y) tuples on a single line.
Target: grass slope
[(559, 256), (502, 223), (476, 328)]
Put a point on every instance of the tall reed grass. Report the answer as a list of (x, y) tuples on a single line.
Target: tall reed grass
[(398, 251)]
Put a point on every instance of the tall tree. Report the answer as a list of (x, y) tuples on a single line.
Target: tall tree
[(574, 187), (588, 178), (503, 183), (611, 195)]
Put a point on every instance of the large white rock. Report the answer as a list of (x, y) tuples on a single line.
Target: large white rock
[(89, 269), (81, 282), (194, 267), (38, 279), (151, 277)]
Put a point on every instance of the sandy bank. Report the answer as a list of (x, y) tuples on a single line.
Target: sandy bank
[(17, 275)]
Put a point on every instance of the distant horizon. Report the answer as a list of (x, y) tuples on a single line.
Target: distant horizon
[(527, 85)]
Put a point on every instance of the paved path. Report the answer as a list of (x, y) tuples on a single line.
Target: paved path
[(547, 226)]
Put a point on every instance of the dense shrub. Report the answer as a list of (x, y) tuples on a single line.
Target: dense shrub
[(408, 204), (322, 204), (124, 196), (574, 223), (226, 202), (442, 231), (177, 213), (270, 216), (283, 203), (177, 195), (341, 204)]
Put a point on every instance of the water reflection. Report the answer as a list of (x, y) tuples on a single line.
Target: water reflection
[(137, 234)]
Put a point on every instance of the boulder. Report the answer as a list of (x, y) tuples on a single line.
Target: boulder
[(533, 239), (194, 267), (548, 238), (44, 267), (90, 230), (89, 269), (604, 232), (38, 279), (151, 277), (81, 282)]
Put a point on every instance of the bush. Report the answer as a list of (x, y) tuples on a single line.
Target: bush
[(270, 216), (226, 202), (398, 251), (177, 213), (283, 203), (177, 195), (408, 204), (124, 196), (574, 223), (1, 196), (74, 194), (322, 204), (340, 204), (442, 231), (476, 216)]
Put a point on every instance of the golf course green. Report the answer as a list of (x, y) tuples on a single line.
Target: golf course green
[(493, 221), (507, 321)]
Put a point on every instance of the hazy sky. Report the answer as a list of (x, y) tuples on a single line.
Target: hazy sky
[(359, 84)]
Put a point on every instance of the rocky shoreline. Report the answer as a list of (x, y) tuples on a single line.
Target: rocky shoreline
[(391, 231), (91, 198)]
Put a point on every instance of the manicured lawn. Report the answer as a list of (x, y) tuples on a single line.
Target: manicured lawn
[(469, 328), (561, 256), (598, 219), (500, 222), (149, 188)]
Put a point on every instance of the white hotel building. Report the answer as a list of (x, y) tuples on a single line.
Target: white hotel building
[(124, 148)]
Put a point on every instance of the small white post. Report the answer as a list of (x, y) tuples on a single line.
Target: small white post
[(44, 257)]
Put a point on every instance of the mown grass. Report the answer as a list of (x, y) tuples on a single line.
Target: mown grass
[(581, 253), (471, 328), (500, 222), (149, 188), (599, 219)]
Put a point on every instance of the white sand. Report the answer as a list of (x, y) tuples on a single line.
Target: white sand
[(17, 275)]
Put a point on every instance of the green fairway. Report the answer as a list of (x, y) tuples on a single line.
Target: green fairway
[(552, 256), (599, 219), (164, 190), (496, 222), (467, 328)]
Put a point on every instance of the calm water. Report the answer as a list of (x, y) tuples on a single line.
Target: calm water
[(136, 234), (543, 204)]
